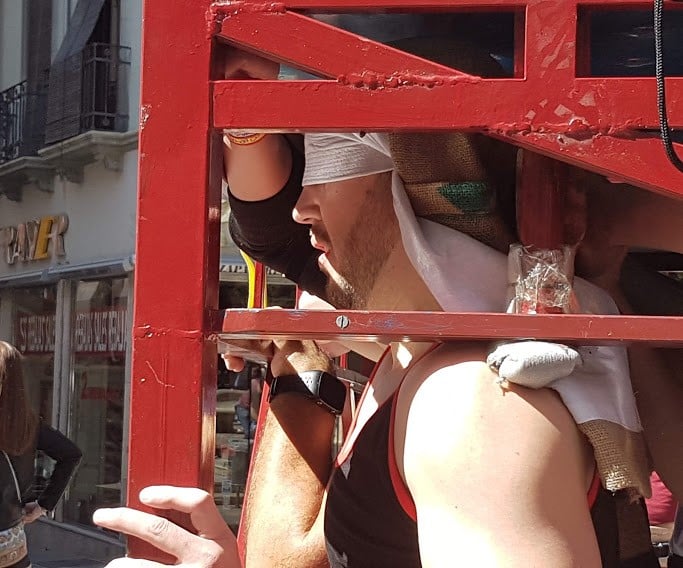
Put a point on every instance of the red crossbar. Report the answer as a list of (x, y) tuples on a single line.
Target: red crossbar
[(586, 121), (549, 109)]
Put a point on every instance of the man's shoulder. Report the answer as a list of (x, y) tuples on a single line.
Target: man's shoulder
[(448, 357)]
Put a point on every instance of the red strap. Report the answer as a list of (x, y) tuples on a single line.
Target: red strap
[(594, 489), (400, 489)]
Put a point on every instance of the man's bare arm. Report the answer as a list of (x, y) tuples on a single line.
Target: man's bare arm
[(258, 171), (283, 524), (498, 479), (655, 374)]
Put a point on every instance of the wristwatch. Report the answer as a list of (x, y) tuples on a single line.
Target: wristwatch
[(326, 390)]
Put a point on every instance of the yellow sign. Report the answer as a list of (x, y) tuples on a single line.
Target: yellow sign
[(38, 239)]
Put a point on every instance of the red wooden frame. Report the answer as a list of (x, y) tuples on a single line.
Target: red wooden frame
[(591, 122)]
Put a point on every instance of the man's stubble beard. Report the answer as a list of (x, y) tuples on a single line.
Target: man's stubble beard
[(365, 253)]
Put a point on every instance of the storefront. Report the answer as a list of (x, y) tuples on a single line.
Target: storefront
[(66, 279), (66, 301)]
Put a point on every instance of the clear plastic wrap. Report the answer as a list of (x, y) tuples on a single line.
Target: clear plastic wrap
[(540, 280)]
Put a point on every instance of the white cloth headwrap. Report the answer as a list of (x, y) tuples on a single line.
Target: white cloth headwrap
[(465, 275), (337, 157)]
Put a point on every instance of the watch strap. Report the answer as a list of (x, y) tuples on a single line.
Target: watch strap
[(323, 388)]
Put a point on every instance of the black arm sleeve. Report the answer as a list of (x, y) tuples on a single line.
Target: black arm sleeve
[(67, 457), (266, 231)]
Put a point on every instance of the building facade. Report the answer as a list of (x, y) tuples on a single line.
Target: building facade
[(69, 100), (69, 91)]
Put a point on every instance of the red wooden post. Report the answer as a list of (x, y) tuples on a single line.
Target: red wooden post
[(585, 121), (174, 364)]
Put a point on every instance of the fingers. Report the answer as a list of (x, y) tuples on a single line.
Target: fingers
[(157, 531), (236, 64), (198, 503), (237, 352), (233, 363)]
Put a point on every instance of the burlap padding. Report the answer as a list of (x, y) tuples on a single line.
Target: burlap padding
[(633, 526), (462, 162), (621, 456), (448, 180)]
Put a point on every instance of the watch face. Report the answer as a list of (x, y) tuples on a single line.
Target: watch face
[(333, 392)]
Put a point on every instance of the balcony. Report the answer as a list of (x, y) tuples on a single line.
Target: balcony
[(19, 135), (88, 91), (77, 115)]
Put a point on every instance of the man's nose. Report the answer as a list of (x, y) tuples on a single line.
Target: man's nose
[(306, 210)]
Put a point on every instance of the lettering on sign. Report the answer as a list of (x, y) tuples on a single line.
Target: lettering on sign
[(100, 332), (38, 239), (36, 333), (93, 332), (242, 269)]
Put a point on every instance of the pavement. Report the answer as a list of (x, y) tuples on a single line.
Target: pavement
[(58, 545), (66, 563)]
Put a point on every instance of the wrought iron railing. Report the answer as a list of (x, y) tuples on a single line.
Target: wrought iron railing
[(87, 91), (104, 94), (20, 134)]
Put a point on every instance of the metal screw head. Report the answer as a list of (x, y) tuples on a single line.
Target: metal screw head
[(342, 322)]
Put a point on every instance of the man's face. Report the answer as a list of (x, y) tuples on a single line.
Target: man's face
[(353, 224)]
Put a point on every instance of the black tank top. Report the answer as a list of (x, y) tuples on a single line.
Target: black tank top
[(366, 524)]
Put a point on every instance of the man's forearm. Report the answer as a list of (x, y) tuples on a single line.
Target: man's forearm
[(658, 393), (285, 495), (258, 171)]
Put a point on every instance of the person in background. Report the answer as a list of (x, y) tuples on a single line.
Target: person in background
[(21, 435), (247, 407), (661, 507)]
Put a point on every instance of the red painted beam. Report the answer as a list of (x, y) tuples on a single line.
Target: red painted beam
[(594, 106), (412, 5), (425, 326), (320, 49), (173, 392), (642, 162)]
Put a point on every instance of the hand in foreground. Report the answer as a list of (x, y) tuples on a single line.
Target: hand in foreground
[(213, 547), (286, 357), (32, 511)]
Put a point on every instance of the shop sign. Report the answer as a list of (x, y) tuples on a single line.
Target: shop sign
[(93, 332), (36, 333), (33, 240), (242, 269), (100, 332)]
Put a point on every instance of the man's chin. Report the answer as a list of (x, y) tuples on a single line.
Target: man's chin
[(343, 298)]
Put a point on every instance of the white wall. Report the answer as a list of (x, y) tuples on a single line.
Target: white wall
[(101, 214), (11, 43), (131, 36)]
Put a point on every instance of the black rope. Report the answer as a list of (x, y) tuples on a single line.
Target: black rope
[(661, 88)]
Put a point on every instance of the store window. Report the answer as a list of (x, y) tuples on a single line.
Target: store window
[(238, 400), (34, 336), (99, 339)]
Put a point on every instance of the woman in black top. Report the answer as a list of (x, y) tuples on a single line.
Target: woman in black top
[(21, 435)]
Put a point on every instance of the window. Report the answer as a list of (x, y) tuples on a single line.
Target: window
[(99, 341), (34, 336)]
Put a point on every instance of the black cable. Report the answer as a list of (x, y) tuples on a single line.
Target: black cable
[(661, 88)]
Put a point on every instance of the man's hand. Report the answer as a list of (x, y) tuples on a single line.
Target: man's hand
[(231, 63), (287, 357), (292, 357), (214, 545), (32, 511)]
